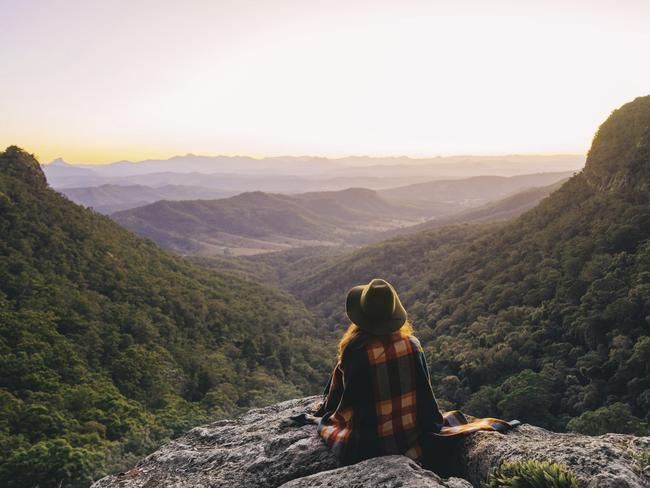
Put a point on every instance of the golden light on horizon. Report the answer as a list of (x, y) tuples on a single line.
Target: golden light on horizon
[(99, 83)]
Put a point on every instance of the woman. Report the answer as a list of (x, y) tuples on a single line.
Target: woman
[(379, 399)]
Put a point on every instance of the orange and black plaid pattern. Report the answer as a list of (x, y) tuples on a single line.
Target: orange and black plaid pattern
[(386, 370), (335, 428), (379, 401), (383, 349), (456, 423), (393, 376)]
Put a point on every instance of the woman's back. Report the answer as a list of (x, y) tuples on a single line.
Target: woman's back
[(379, 399)]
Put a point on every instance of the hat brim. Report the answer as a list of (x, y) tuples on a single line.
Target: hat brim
[(367, 324)]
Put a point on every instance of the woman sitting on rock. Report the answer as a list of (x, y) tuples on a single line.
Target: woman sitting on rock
[(379, 399)]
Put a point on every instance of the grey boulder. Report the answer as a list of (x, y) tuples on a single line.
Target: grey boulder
[(264, 448)]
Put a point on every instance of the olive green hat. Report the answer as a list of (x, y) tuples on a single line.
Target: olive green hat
[(375, 308)]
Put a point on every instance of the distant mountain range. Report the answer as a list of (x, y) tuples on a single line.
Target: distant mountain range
[(506, 208), (281, 268), (259, 222), (471, 192), (108, 199), (298, 174)]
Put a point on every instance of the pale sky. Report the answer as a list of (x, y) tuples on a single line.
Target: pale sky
[(99, 81)]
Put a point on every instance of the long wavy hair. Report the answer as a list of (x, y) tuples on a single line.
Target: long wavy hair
[(354, 337)]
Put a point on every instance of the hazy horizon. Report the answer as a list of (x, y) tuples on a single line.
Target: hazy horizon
[(415, 159)]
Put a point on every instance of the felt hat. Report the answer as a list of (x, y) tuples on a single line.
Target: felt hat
[(375, 308)]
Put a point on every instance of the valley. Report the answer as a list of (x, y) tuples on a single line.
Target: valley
[(257, 222)]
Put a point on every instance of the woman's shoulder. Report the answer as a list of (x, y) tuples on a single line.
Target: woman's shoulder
[(398, 341), (377, 345)]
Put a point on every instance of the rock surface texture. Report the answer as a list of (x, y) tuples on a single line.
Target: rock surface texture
[(387, 472), (606, 461), (263, 448)]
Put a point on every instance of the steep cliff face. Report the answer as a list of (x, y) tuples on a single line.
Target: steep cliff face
[(619, 158), (263, 448)]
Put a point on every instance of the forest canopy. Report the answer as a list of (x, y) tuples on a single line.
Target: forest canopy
[(110, 346)]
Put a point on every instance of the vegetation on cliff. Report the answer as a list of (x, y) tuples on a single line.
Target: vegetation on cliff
[(109, 346)]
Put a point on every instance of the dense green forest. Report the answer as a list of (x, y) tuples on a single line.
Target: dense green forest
[(545, 318), (110, 346)]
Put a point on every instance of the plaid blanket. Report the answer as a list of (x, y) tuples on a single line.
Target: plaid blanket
[(379, 401), (456, 423)]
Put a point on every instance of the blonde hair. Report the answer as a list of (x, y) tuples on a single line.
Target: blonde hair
[(355, 337)]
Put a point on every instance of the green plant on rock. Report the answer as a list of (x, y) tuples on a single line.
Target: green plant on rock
[(641, 459), (531, 474)]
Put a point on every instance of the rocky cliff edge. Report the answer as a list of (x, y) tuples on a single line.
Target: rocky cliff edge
[(263, 448)]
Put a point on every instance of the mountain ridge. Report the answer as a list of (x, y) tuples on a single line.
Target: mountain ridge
[(253, 220), (300, 174), (109, 198), (350, 216), (484, 188)]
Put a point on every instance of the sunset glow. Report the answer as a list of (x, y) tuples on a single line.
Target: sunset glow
[(104, 81)]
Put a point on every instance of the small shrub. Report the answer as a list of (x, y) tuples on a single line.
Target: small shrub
[(641, 459), (531, 474)]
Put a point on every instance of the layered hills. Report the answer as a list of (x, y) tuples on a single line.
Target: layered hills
[(110, 346), (290, 174), (258, 221), (471, 192), (108, 199), (281, 268), (254, 222), (503, 209)]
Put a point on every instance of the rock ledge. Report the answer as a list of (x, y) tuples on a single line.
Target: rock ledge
[(263, 448)]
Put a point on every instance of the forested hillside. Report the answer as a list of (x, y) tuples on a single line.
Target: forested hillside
[(109, 346), (545, 318), (284, 267)]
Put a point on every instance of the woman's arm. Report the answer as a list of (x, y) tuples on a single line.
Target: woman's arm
[(428, 413), (332, 393)]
